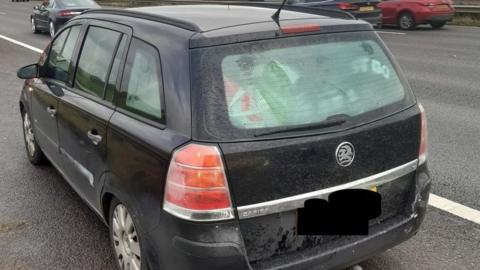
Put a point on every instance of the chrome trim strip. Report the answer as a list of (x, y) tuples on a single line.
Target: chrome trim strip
[(297, 201)]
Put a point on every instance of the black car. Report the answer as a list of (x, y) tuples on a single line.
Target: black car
[(361, 9), (222, 137), (52, 14)]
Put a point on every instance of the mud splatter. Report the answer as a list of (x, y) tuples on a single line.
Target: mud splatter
[(13, 226)]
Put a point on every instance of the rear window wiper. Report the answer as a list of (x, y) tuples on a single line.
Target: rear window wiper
[(331, 121)]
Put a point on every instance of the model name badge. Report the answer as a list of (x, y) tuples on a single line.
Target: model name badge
[(255, 212)]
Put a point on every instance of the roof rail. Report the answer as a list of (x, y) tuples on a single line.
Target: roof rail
[(142, 15), (303, 9)]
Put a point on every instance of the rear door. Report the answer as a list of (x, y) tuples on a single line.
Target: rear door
[(86, 108), (47, 90)]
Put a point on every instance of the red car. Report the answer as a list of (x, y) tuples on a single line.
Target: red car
[(409, 13)]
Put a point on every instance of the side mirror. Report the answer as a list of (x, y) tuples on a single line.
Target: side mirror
[(28, 72)]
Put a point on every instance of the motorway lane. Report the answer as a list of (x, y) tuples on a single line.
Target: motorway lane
[(15, 23), (44, 224), (443, 68)]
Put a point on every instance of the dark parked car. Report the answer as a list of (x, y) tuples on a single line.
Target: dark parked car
[(52, 14), (360, 9), (409, 13), (198, 134)]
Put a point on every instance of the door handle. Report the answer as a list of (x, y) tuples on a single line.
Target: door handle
[(94, 137), (52, 111)]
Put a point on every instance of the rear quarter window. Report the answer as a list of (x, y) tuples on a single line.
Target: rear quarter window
[(250, 87), (142, 86)]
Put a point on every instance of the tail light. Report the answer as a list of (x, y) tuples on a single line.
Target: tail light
[(196, 186), (422, 153), (347, 6), (65, 13), (300, 28)]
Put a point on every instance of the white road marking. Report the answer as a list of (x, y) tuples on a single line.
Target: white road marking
[(446, 205), (389, 32), (454, 208), (21, 44), (3, 13)]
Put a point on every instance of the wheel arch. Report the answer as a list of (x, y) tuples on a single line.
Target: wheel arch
[(406, 10), (139, 203), (21, 106), (107, 198)]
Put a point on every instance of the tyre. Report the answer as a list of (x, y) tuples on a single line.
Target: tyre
[(437, 25), (34, 26), (125, 238), (34, 153), (51, 29), (406, 21)]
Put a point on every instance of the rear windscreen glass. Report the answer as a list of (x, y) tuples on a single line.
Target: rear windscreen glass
[(301, 81)]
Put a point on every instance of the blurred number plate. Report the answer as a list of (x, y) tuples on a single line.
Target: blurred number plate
[(369, 8), (442, 7)]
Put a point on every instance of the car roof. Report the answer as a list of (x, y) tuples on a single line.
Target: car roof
[(211, 25), (213, 17)]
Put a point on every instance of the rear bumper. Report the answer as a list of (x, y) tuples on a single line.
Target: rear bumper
[(429, 16), (182, 245), (439, 18), (60, 21)]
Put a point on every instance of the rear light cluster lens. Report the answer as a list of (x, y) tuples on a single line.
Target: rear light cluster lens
[(347, 6), (196, 186), (65, 13), (422, 153)]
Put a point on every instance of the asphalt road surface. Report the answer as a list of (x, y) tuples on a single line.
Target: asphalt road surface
[(45, 225)]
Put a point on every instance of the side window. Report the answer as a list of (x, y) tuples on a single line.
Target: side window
[(60, 57), (141, 89), (112, 79), (97, 53)]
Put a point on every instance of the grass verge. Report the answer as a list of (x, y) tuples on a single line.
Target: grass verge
[(466, 20)]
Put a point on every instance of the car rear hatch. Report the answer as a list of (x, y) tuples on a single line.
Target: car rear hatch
[(280, 109)]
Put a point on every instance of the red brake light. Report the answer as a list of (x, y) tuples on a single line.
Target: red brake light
[(196, 186), (422, 153), (300, 28), (347, 6), (65, 13)]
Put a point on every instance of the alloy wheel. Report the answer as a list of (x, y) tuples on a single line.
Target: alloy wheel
[(29, 136), (125, 239), (406, 21), (34, 27)]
